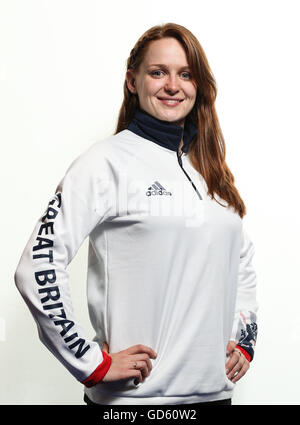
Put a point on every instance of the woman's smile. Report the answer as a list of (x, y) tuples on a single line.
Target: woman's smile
[(170, 102)]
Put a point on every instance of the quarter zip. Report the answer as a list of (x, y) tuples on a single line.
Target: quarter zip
[(180, 163)]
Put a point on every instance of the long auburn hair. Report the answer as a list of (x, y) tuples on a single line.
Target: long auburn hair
[(207, 151)]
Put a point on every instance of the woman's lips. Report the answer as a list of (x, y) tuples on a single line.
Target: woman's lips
[(170, 102)]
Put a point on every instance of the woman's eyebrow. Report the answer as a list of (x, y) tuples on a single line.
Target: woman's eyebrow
[(166, 66)]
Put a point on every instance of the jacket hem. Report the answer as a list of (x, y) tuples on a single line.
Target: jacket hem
[(100, 398)]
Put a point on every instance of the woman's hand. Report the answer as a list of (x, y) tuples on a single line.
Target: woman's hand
[(134, 362), (237, 365)]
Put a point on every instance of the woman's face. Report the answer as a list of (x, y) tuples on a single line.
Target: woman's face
[(163, 82)]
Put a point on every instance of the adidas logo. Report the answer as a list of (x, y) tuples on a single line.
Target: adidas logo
[(157, 189)]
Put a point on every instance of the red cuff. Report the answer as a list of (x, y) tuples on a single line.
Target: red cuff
[(100, 372), (247, 355)]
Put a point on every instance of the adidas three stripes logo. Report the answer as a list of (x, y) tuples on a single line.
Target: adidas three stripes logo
[(157, 189)]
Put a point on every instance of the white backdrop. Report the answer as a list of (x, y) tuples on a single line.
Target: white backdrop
[(62, 67)]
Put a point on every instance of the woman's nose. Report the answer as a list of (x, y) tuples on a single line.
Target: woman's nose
[(172, 84)]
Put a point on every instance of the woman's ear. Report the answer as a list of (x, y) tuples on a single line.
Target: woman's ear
[(130, 80)]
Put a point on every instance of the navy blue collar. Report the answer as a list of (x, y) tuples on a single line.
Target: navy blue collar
[(163, 133)]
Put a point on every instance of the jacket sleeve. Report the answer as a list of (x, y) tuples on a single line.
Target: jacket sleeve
[(244, 331), (77, 207)]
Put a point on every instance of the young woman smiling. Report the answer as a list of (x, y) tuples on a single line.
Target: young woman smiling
[(171, 286)]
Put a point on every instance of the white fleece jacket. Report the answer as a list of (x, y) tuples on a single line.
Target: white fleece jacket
[(165, 269)]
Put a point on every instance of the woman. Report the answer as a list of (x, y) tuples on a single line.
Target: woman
[(171, 287)]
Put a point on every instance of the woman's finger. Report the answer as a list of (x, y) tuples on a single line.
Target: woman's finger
[(230, 347), (142, 366), (236, 368), (234, 359), (145, 358), (241, 373), (140, 348)]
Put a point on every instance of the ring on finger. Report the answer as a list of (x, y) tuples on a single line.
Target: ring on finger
[(238, 351), (135, 365)]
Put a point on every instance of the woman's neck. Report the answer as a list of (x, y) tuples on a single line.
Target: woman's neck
[(166, 134)]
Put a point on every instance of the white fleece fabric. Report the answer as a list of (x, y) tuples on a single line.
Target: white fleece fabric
[(166, 269)]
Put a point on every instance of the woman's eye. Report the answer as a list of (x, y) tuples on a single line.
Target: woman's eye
[(159, 73), (186, 75), (156, 73)]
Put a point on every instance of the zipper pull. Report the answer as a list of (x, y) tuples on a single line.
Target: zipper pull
[(180, 163), (179, 159)]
